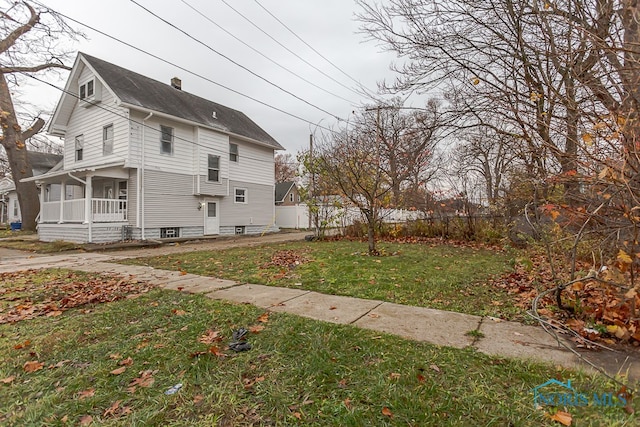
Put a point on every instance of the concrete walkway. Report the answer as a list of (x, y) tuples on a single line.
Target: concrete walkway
[(494, 337)]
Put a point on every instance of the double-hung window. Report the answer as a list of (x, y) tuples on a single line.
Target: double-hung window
[(79, 142), (213, 168), (240, 195), (233, 152), (166, 139), (87, 90), (107, 140)]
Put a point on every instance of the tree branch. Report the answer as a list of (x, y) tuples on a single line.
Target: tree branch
[(34, 129), (33, 69), (10, 40)]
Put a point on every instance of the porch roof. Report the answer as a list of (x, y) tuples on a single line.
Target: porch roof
[(110, 170)]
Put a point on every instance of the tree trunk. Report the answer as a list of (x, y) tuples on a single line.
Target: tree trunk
[(16, 149), (371, 235)]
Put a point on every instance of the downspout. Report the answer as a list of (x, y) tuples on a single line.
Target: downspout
[(141, 175)]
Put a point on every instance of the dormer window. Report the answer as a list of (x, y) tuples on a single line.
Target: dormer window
[(88, 93)]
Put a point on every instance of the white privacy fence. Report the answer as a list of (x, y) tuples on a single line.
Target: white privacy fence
[(298, 216)]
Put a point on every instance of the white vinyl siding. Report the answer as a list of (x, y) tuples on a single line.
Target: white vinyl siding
[(169, 202), (259, 209), (256, 164), (90, 122), (183, 148)]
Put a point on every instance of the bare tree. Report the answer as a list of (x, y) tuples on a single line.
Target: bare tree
[(30, 42), (286, 167)]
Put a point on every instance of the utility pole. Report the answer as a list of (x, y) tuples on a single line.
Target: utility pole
[(313, 178)]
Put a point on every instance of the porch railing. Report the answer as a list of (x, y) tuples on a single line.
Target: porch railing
[(103, 210)]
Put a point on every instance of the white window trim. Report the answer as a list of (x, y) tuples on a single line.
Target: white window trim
[(235, 195), (105, 140), (237, 153), (219, 169), (78, 146), (162, 141)]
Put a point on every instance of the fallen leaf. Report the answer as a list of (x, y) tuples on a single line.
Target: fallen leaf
[(86, 420), (54, 313), (178, 312), (421, 378), (216, 351), (183, 273), (256, 328), (126, 362), (374, 315), (32, 366), (210, 337), (562, 417), (22, 345), (264, 318), (332, 308), (145, 380), (8, 380), (347, 403), (435, 368), (387, 412), (119, 370), (114, 356), (623, 257), (298, 415), (65, 418), (197, 399), (394, 375), (111, 410), (85, 394)]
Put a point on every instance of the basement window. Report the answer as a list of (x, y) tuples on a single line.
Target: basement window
[(169, 232)]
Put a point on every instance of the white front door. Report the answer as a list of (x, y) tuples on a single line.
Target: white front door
[(211, 219)]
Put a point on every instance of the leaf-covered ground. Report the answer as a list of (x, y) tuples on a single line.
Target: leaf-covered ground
[(162, 358), (457, 278)]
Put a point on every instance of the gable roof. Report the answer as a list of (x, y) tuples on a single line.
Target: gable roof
[(136, 90), (282, 188), (43, 162)]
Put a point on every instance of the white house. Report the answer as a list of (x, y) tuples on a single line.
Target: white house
[(148, 160), (9, 205)]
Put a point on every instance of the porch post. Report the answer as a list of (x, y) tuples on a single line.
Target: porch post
[(63, 195), (88, 206), (88, 195), (42, 192)]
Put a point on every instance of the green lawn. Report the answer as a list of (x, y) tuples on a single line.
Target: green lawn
[(438, 276), (299, 371)]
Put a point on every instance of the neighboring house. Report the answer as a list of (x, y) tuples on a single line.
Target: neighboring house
[(153, 161), (40, 164), (287, 194)]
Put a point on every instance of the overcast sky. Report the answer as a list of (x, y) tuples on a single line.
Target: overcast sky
[(327, 25)]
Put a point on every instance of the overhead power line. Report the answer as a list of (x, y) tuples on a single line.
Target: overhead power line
[(233, 61), (367, 91), (263, 55), (120, 114), (186, 70), (287, 49)]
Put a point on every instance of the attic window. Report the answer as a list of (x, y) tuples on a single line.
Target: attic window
[(87, 90)]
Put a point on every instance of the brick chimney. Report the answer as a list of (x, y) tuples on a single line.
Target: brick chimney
[(176, 83)]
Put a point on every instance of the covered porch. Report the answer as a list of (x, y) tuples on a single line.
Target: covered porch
[(89, 199)]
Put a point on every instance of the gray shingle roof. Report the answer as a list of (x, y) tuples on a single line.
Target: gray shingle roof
[(282, 188), (42, 162), (138, 90)]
